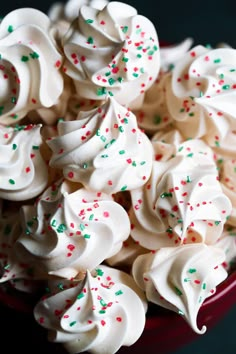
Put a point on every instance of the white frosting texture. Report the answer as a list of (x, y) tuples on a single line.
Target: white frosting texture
[(103, 312), (112, 51), (104, 149), (30, 62), (182, 202), (70, 229), (181, 278), (23, 172), (201, 91)]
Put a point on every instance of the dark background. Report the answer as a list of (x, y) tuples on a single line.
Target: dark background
[(207, 22)]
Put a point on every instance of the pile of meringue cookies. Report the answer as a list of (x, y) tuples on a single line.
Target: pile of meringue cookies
[(117, 170)]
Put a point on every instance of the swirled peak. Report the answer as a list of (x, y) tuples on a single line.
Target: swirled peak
[(113, 51), (172, 53), (104, 149), (23, 172), (69, 10), (100, 314), (167, 144), (182, 202), (70, 229), (153, 114), (29, 64), (201, 93), (181, 278)]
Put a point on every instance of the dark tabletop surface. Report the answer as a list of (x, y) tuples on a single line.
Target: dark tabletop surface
[(207, 22)]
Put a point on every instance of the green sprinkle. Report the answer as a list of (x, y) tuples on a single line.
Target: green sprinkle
[(91, 217), (191, 114), (204, 286), (121, 129), (111, 81), (226, 87), (123, 188), (188, 179), (13, 100), (178, 291), (99, 271), (34, 55), (103, 303), (102, 311), (139, 56), (61, 228), (217, 223), (24, 58), (54, 223), (187, 280), (85, 165), (60, 286), (125, 29), (122, 152), (80, 296), (135, 74), (192, 270), (180, 313), (125, 59), (119, 292), (35, 147), (90, 40), (217, 61), (11, 181), (86, 236), (190, 155), (72, 323), (14, 146), (82, 227), (157, 120), (10, 29), (89, 20), (165, 195), (120, 79), (169, 230), (101, 91)]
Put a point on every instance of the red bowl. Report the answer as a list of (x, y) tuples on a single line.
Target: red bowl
[(164, 332)]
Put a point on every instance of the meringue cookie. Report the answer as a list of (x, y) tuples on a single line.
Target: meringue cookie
[(30, 63), (23, 172), (112, 51), (70, 229), (181, 278), (103, 149), (200, 93), (100, 314), (182, 202)]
